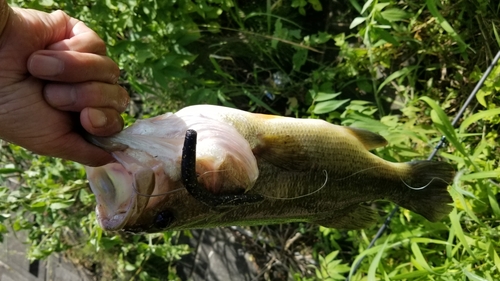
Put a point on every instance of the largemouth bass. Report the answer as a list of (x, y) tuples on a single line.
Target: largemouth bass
[(208, 166)]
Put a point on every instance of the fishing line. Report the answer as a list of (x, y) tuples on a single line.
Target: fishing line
[(324, 184), (301, 196), (472, 95), (424, 186), (358, 172), (156, 195), (212, 172), (170, 191)]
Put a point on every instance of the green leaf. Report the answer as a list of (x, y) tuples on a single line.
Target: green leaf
[(143, 55), (357, 21), (331, 256), (60, 205), (322, 96), (321, 38), (316, 4), (394, 14), (130, 267), (299, 58), (38, 206), (361, 121), (366, 6), (480, 96), (328, 106), (278, 33), (46, 3), (387, 36), (381, 6)]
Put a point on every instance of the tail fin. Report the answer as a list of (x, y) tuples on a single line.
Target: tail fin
[(426, 189)]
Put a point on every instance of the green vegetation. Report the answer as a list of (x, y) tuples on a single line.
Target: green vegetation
[(398, 68)]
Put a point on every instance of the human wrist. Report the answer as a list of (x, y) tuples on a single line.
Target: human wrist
[(4, 15)]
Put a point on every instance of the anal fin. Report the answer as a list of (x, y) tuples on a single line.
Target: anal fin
[(352, 217)]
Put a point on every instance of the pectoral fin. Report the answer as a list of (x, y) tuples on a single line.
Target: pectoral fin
[(284, 151)]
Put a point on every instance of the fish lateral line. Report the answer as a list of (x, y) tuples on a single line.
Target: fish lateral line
[(358, 172), (268, 196), (303, 195), (322, 186)]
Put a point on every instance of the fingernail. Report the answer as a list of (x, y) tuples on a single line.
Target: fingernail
[(60, 95), (41, 65), (97, 118)]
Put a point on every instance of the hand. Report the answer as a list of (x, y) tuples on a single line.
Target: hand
[(53, 65)]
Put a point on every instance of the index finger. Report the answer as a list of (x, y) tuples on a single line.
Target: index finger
[(79, 38), (79, 150)]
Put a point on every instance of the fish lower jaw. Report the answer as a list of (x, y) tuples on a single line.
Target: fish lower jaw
[(115, 223)]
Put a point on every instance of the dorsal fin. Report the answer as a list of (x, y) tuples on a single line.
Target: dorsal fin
[(369, 139)]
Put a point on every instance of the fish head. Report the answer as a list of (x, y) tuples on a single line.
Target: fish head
[(123, 190), (143, 192), (145, 155)]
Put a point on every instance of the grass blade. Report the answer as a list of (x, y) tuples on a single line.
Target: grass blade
[(472, 276), (376, 261), (494, 256), (431, 5), (480, 175), (413, 275), (419, 257), (492, 199), (259, 102), (396, 75), (444, 125), (478, 116), (496, 34), (455, 224), (356, 5), (9, 170), (371, 251)]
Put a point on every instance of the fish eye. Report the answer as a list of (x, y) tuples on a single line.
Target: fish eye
[(164, 219)]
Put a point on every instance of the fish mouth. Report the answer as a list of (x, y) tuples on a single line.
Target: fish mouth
[(117, 189)]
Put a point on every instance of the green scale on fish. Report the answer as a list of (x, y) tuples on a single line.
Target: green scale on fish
[(241, 168)]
